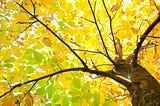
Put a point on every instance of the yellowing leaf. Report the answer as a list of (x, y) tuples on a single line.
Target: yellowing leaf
[(8, 102), (152, 2), (46, 67), (29, 100), (47, 42), (115, 7), (5, 54)]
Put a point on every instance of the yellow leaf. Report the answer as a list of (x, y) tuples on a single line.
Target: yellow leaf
[(38, 46), (37, 75), (115, 8), (62, 3), (152, 2), (45, 67), (5, 54), (11, 5), (8, 102), (47, 42), (16, 51), (29, 100)]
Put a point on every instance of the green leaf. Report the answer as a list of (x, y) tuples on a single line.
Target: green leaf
[(30, 69), (9, 65), (110, 103), (76, 83), (50, 90), (40, 91), (96, 98), (74, 91), (71, 23), (11, 59), (56, 98), (38, 57), (85, 87), (76, 99), (65, 101)]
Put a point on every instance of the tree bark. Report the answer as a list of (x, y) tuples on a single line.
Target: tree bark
[(144, 88)]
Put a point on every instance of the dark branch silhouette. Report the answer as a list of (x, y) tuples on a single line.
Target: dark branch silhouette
[(143, 37), (109, 74), (110, 23), (100, 34)]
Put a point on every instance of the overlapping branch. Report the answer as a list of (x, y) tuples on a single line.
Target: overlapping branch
[(109, 73), (142, 39), (100, 34), (50, 30)]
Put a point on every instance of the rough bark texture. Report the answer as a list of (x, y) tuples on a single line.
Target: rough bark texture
[(144, 88)]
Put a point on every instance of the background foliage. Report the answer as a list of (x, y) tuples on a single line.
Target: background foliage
[(28, 50)]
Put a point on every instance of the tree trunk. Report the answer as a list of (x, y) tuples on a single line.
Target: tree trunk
[(144, 88)]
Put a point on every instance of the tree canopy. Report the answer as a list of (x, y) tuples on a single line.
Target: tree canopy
[(67, 52)]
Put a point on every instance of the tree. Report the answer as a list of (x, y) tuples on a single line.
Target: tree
[(63, 52)]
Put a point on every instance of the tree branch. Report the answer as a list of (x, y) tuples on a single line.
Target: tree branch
[(100, 34), (145, 34), (110, 23), (40, 78), (109, 74), (50, 30), (154, 36)]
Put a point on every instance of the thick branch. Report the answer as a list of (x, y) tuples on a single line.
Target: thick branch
[(109, 74), (103, 43), (40, 78), (148, 30), (50, 30)]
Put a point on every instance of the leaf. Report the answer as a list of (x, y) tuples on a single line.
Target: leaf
[(96, 98), (152, 2), (56, 98), (8, 102), (115, 7), (74, 91), (110, 103), (62, 3), (9, 65), (29, 100), (11, 5), (76, 99), (65, 101), (47, 41), (76, 83)]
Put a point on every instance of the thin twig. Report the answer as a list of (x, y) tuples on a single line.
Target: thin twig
[(50, 30), (110, 23), (29, 91), (34, 8), (154, 36), (100, 33), (117, 10)]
